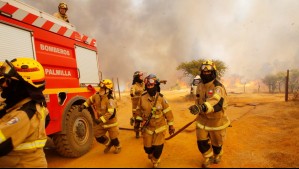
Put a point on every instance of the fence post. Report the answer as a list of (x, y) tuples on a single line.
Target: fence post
[(287, 87)]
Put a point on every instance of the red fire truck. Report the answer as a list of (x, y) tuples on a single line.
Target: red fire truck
[(70, 61)]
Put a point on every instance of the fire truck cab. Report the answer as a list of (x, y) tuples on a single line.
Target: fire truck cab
[(71, 64)]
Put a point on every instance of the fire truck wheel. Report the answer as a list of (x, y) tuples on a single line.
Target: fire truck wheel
[(78, 137)]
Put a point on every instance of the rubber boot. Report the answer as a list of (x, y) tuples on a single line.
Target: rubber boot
[(217, 157), (207, 161), (156, 162), (107, 149), (117, 149)]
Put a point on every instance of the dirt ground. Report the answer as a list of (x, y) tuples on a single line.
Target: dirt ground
[(264, 134)]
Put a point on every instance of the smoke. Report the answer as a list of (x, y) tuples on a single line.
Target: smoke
[(253, 38)]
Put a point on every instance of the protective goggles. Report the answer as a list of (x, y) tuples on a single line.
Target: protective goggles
[(7, 70), (206, 67), (139, 74), (150, 82)]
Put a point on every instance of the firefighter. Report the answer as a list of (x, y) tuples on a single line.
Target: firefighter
[(61, 14), (105, 107), (137, 89), (1, 99), (157, 119), (23, 118), (210, 108)]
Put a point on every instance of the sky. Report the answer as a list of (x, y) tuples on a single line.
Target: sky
[(253, 38)]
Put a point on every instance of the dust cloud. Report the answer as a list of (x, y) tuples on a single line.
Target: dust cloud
[(253, 38)]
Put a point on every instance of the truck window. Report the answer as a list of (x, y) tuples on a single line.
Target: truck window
[(88, 66), (15, 42)]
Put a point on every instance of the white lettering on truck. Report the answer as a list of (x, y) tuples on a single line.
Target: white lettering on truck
[(57, 72), (54, 49)]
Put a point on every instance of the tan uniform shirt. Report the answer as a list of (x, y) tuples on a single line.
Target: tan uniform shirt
[(136, 90), (62, 17), (106, 109), (28, 136), (214, 96), (160, 120)]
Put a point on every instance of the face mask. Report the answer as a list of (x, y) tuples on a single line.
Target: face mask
[(14, 93), (206, 78), (152, 91)]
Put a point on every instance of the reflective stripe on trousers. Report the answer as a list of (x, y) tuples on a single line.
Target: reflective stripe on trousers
[(158, 130), (31, 145)]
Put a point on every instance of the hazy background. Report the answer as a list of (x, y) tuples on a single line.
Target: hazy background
[(252, 37)]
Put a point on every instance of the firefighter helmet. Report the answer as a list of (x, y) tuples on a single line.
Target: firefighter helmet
[(27, 69), (208, 66), (137, 74), (1, 63), (106, 83), (151, 80), (208, 71), (63, 5)]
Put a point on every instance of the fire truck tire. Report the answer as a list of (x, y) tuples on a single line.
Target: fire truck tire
[(78, 137)]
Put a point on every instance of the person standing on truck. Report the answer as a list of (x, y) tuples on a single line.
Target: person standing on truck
[(137, 89), (23, 118), (210, 108), (61, 14), (104, 106), (157, 118)]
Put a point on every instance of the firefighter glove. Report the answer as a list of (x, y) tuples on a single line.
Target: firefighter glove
[(171, 130), (132, 121), (98, 121), (195, 109)]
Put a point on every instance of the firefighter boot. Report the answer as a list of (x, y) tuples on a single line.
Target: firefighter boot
[(156, 162), (207, 161), (217, 157), (117, 149), (107, 149)]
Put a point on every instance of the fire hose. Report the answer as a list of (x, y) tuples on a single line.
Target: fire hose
[(169, 137)]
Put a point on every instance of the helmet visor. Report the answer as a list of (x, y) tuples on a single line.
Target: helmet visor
[(206, 68), (102, 85), (138, 74), (8, 70)]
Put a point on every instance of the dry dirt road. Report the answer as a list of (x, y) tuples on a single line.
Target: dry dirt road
[(264, 134)]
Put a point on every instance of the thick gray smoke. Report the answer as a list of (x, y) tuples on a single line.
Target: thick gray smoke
[(253, 38)]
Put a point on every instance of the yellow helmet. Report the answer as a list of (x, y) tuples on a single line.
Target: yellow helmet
[(27, 69), (1, 76), (208, 65), (106, 83), (63, 5)]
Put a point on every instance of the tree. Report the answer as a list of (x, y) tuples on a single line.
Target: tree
[(294, 79), (281, 78), (191, 69), (277, 80), (270, 80)]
